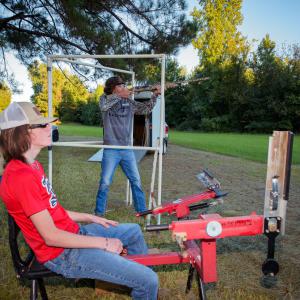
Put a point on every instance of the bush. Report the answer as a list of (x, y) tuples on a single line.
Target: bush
[(260, 127), (189, 125), (221, 124), (90, 113)]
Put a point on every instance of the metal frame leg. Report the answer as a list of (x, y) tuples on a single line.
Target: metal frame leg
[(190, 279), (33, 289), (42, 289), (201, 289)]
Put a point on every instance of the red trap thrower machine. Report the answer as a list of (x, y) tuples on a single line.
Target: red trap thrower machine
[(197, 237)]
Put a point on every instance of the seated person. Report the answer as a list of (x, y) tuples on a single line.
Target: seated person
[(62, 245), (1, 164)]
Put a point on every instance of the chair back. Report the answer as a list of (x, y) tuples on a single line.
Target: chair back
[(21, 265)]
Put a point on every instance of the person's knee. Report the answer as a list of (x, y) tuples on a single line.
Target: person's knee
[(104, 185), (152, 281), (136, 229)]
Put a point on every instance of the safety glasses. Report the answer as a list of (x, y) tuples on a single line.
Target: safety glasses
[(121, 84), (38, 126)]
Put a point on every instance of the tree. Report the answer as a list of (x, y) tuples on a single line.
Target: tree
[(43, 27), (223, 54), (67, 90), (5, 96), (152, 72), (218, 39), (276, 100)]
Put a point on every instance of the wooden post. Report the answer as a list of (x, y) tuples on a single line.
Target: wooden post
[(278, 175)]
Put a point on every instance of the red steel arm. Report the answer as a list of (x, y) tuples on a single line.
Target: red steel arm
[(218, 227), (181, 206)]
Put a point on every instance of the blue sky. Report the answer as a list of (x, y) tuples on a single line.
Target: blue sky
[(279, 18)]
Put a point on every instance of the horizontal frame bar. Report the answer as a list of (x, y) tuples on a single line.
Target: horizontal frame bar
[(87, 145), (57, 57), (95, 66)]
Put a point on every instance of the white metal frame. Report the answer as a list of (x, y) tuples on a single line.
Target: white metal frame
[(72, 59)]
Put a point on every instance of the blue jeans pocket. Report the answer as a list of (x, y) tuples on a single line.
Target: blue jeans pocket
[(64, 263)]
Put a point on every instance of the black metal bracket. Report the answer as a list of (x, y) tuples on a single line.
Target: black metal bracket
[(201, 289), (270, 266)]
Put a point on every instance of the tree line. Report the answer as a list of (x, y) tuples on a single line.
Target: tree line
[(257, 94), (243, 90)]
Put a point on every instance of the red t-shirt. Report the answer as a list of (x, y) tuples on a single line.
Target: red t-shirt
[(25, 191)]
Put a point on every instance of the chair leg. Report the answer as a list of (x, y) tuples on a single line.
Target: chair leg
[(33, 290), (42, 289)]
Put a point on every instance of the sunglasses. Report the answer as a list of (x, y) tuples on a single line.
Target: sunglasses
[(38, 126)]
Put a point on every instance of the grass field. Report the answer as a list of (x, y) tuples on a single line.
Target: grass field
[(73, 129), (249, 146)]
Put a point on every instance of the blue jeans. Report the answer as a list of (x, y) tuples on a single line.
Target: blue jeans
[(110, 161), (99, 264)]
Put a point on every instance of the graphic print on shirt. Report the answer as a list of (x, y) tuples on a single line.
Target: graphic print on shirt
[(53, 199), (120, 110)]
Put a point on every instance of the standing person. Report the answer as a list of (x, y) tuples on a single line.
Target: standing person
[(62, 245), (118, 110)]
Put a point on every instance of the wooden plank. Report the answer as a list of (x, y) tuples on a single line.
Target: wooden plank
[(278, 173)]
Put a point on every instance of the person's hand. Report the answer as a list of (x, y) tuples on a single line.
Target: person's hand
[(102, 221), (157, 90), (113, 245)]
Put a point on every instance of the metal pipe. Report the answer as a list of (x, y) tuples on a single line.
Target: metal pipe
[(157, 227), (49, 73), (162, 125), (58, 57), (128, 191), (95, 66), (84, 145)]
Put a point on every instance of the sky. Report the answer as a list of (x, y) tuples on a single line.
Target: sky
[(278, 18)]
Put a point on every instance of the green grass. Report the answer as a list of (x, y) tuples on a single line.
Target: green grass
[(247, 146), (75, 129)]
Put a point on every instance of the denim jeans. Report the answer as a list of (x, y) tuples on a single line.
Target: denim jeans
[(110, 160), (107, 266)]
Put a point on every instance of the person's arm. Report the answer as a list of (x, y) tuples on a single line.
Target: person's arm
[(88, 218), (56, 237), (108, 101), (142, 108)]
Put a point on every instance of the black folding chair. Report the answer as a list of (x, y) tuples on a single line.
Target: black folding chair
[(28, 268)]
